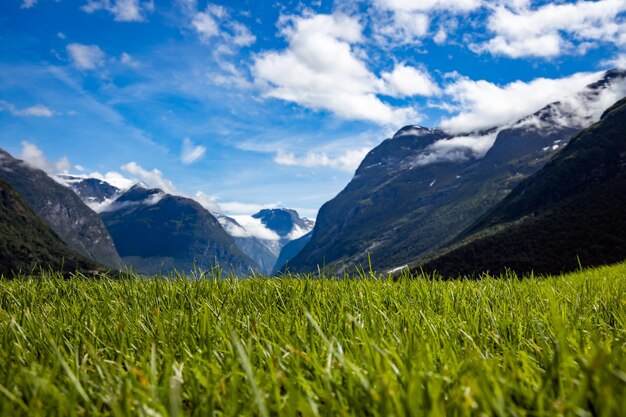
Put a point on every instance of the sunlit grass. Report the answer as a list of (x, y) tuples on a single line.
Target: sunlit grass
[(306, 347)]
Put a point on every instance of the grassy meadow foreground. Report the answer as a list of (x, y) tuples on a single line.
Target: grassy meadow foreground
[(307, 347)]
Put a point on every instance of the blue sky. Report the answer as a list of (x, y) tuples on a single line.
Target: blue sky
[(250, 104)]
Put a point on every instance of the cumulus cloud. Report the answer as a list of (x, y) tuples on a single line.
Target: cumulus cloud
[(554, 28), (190, 153), (123, 10), (154, 177), (406, 81), (348, 161), (34, 156), (85, 57), (482, 104), (37, 110), (321, 70)]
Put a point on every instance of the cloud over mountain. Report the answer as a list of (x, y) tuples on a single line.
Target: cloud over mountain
[(322, 69)]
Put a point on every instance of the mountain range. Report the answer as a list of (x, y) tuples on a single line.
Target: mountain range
[(264, 235), (415, 192), (569, 214), (542, 194), (261, 241)]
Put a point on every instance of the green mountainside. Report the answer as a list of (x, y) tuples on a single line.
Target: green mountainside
[(28, 243), (155, 232), (415, 192), (61, 209), (570, 213)]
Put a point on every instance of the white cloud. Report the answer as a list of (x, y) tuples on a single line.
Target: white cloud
[(123, 10), (215, 21), (401, 27), (34, 156), (320, 70), (441, 36), (190, 153), (348, 161), (429, 5), (27, 4), (458, 148), (154, 178), (242, 35), (553, 29), (208, 202), (483, 104), (128, 60), (114, 178), (230, 208), (405, 81), (251, 227), (407, 21), (61, 35), (85, 57), (618, 61), (37, 110), (205, 22), (235, 207)]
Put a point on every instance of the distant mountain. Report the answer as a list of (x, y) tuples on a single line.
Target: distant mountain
[(289, 251), (27, 242), (263, 235), (284, 222), (75, 223), (158, 232), (95, 193), (570, 213), (262, 251), (416, 191)]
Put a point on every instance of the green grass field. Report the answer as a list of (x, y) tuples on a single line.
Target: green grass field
[(305, 347)]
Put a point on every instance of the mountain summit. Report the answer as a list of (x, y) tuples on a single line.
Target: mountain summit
[(61, 209), (416, 191), (158, 232), (570, 213), (264, 235)]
